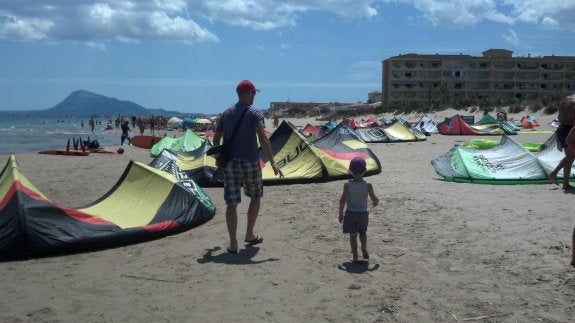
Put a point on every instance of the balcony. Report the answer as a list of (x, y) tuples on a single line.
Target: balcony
[(503, 86), (503, 76), (527, 76), (503, 65), (552, 66), (478, 86), (479, 65), (527, 66), (430, 65)]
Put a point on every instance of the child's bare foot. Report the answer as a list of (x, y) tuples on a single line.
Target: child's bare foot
[(364, 253), (354, 257)]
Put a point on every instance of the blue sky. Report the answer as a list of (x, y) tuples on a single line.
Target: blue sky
[(188, 55)]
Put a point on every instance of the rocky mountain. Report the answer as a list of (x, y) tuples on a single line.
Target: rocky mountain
[(85, 103)]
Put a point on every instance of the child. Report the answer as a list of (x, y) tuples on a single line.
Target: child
[(355, 193)]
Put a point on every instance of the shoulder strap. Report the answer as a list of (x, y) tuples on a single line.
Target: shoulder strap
[(238, 124)]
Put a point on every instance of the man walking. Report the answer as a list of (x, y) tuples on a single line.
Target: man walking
[(241, 126)]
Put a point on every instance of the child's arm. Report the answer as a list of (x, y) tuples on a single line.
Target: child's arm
[(342, 201), (374, 199)]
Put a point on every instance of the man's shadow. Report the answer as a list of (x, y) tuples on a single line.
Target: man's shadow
[(358, 267), (568, 191), (243, 257)]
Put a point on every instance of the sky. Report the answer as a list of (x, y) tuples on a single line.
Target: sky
[(189, 55)]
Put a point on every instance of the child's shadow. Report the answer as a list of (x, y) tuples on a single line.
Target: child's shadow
[(358, 267), (243, 257)]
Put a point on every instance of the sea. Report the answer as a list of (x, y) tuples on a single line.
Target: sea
[(21, 134)]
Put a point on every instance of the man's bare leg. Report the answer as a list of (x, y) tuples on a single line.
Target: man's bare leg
[(569, 157), (253, 211), (567, 171), (553, 174), (232, 222), (573, 249)]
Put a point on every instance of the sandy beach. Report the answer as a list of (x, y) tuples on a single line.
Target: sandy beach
[(440, 251)]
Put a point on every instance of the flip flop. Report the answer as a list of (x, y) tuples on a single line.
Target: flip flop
[(255, 240), (232, 251)]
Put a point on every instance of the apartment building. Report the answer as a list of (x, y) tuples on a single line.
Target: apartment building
[(497, 76)]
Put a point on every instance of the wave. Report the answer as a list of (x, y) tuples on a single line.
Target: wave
[(66, 133)]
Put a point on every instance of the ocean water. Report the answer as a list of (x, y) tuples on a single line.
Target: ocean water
[(31, 134)]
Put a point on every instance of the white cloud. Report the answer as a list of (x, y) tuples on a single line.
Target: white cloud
[(13, 27), (96, 21), (457, 13), (511, 37), (99, 20), (557, 14), (96, 45), (183, 20), (550, 23)]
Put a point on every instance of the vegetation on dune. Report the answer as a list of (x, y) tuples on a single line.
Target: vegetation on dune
[(547, 106)]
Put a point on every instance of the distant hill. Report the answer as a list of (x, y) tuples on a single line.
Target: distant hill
[(85, 103)]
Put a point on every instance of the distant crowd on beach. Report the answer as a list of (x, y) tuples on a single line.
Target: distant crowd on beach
[(142, 123)]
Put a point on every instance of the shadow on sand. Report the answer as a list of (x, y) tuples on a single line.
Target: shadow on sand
[(243, 257), (358, 267)]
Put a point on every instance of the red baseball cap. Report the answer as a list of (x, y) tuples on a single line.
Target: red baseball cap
[(246, 86)]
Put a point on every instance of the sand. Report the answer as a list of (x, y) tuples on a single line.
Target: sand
[(439, 252)]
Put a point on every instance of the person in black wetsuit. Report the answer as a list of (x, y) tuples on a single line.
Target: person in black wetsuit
[(125, 128)]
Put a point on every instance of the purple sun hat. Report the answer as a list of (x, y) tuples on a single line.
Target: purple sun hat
[(357, 166)]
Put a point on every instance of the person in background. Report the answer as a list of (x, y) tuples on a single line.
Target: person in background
[(276, 121), (125, 135), (152, 125), (354, 200), (141, 125), (92, 123), (566, 140), (244, 167)]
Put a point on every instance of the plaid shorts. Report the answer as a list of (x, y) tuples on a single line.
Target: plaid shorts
[(245, 172)]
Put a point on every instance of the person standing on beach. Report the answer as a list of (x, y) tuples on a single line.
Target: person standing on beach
[(125, 128), (92, 124), (244, 167), (356, 217), (566, 138)]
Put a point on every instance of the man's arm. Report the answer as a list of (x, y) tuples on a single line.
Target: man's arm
[(266, 145), (217, 137)]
